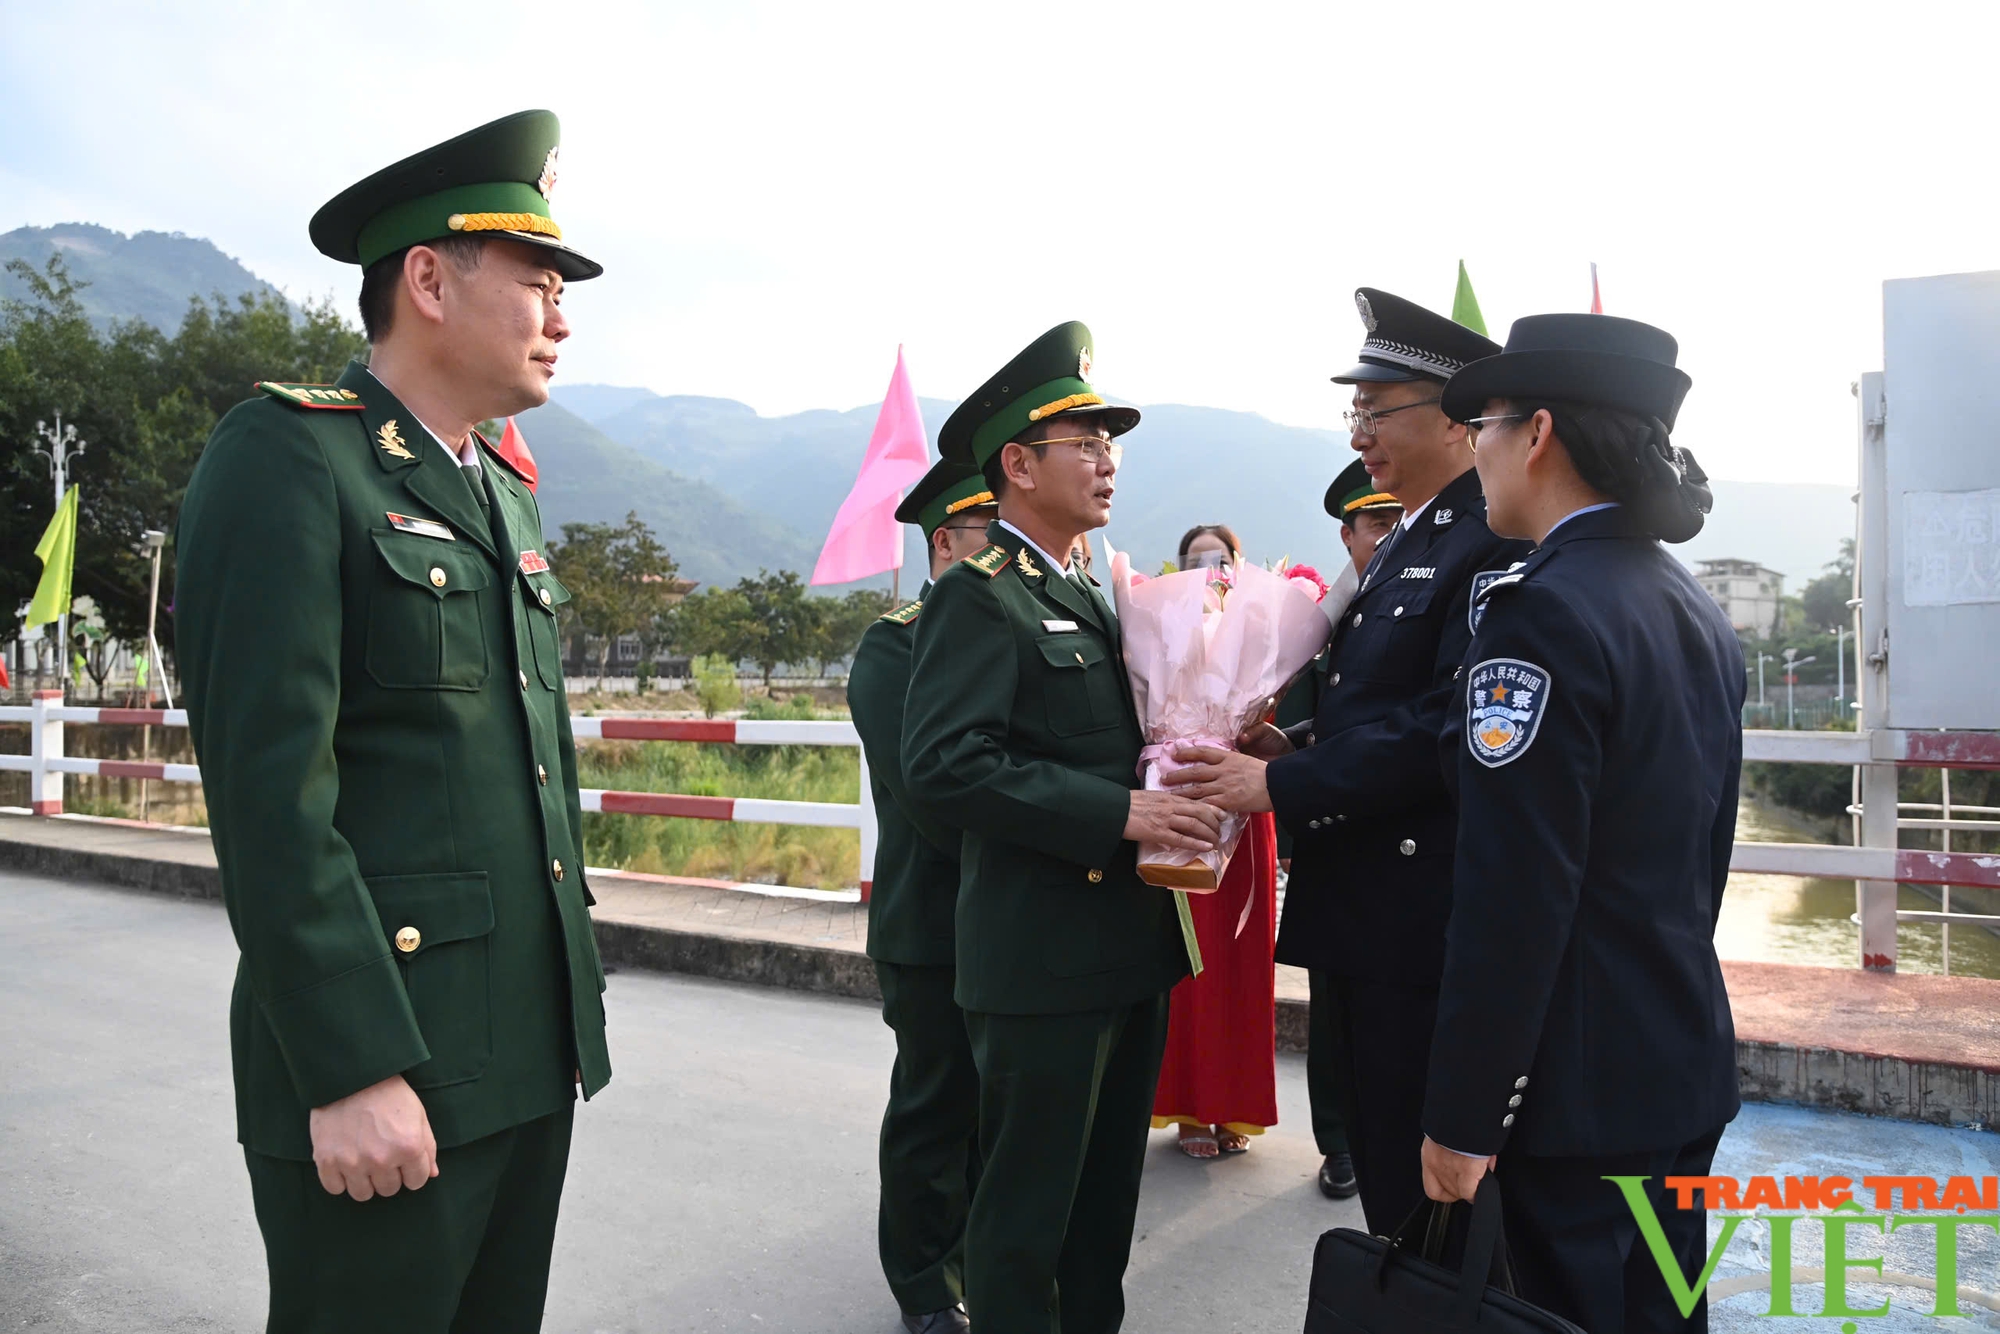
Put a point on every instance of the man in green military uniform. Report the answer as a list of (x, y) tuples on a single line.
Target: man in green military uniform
[(929, 1149), (1020, 732), (367, 631)]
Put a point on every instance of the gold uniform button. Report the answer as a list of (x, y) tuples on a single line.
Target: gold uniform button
[(556, 866), (1095, 877), (547, 597), (524, 680), (437, 576), (542, 775), (408, 939)]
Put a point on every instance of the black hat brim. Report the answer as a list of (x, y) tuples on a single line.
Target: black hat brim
[(574, 268), (1374, 372), (1114, 417), (1600, 379)]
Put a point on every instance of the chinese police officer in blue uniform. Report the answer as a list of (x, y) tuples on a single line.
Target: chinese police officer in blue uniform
[(1359, 787), (1583, 1031)]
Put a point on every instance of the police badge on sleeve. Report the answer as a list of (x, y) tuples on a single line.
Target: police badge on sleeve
[(1505, 700)]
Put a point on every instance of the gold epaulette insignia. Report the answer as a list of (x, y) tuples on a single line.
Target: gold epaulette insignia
[(312, 395), (989, 561), (904, 614), (1028, 567)]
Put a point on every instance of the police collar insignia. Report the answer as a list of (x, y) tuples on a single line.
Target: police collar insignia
[(1505, 700), (1441, 518), (1027, 566), (391, 441)]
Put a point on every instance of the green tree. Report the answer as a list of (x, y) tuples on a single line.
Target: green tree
[(715, 684), (847, 620), (1824, 600), (620, 581), (794, 623), (144, 404), (718, 622)]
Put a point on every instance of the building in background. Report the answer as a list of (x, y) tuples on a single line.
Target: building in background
[(1748, 594)]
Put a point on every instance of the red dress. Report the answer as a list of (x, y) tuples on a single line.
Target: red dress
[(1221, 1066)]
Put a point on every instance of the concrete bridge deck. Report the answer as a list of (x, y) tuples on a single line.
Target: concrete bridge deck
[(724, 1182)]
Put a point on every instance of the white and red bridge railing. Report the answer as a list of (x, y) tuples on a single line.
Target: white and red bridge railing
[(1876, 868)]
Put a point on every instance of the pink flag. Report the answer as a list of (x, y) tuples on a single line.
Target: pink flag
[(1596, 302), (513, 447), (865, 538)]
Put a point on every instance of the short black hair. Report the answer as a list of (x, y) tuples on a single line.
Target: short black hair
[(380, 279)]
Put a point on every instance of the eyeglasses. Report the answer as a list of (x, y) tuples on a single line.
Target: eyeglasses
[(963, 527), (1474, 425), (1096, 452), (1361, 421)]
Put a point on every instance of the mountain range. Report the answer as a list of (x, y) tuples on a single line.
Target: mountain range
[(730, 492), (1183, 466), (149, 276)]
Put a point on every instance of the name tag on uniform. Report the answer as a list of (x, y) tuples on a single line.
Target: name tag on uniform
[(403, 523), (532, 562), (1054, 627)]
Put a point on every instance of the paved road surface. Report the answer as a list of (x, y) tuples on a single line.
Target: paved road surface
[(724, 1182)]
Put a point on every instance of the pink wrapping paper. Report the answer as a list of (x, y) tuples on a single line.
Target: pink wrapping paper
[(1203, 666)]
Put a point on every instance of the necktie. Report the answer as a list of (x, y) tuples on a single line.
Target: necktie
[(478, 484)]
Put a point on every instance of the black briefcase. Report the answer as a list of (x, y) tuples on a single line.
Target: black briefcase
[(1365, 1285)]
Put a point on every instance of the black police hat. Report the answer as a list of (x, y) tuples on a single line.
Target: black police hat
[(1600, 360), (1407, 342)]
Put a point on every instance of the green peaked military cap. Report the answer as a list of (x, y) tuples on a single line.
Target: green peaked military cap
[(1050, 377), (944, 491), (1353, 491), (493, 181)]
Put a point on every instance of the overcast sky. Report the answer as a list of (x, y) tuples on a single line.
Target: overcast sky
[(782, 193)]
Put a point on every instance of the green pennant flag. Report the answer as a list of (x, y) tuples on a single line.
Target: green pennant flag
[(1465, 306), (57, 550)]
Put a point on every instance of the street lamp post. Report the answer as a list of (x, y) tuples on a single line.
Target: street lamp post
[(1840, 634), (1792, 664), (1762, 658), (64, 444)]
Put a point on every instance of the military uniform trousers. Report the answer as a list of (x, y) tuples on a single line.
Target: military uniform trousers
[(1381, 1042), (1065, 1107), (1576, 1248), (467, 1253), (929, 1152)]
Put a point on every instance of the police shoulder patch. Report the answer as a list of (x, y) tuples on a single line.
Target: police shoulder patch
[(904, 614), (989, 561), (1505, 699), (1482, 583), (312, 395)]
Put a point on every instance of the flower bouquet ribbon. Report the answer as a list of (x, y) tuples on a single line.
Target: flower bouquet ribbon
[(1209, 652)]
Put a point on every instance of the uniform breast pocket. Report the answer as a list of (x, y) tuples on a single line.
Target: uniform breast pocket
[(1406, 629), (438, 927), (545, 597), (1081, 685), (425, 628)]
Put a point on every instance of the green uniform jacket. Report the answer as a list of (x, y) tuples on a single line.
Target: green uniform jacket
[(384, 741), (1019, 730), (915, 890)]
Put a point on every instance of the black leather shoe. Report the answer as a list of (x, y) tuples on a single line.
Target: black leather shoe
[(1336, 1177), (951, 1320)]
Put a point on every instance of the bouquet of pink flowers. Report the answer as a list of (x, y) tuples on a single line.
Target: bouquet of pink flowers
[(1209, 652)]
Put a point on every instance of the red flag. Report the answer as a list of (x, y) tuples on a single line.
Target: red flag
[(513, 447), (1596, 301)]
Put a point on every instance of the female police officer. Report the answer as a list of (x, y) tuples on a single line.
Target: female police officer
[(1583, 1031)]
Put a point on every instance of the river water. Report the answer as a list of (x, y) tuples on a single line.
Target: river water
[(1788, 919)]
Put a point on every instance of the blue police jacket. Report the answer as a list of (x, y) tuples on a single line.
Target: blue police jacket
[(1364, 797), (1597, 745)]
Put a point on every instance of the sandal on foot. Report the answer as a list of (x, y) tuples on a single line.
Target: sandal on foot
[(1198, 1143), (1228, 1141)]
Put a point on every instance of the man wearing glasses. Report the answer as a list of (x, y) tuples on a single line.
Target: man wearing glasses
[(1019, 731), (1361, 786), (928, 1151)]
